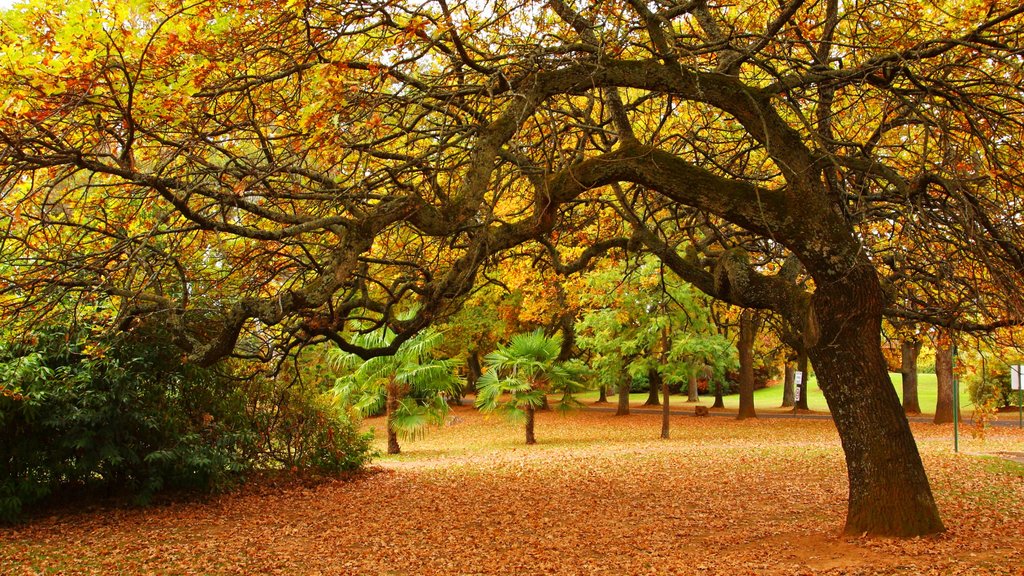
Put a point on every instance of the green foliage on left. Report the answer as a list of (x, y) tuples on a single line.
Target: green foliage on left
[(89, 412), (114, 413)]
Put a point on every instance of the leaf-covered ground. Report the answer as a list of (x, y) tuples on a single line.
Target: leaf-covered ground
[(598, 495)]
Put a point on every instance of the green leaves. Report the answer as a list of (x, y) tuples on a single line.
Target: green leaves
[(521, 374), (644, 319), (422, 382)]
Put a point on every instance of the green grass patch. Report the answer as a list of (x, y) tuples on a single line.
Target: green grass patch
[(770, 398), (999, 465)]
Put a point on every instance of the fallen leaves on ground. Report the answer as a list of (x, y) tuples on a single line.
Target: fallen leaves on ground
[(599, 495)]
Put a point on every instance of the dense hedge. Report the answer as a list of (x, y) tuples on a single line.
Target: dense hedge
[(122, 414)]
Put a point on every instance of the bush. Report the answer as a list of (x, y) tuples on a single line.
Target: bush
[(300, 427), (991, 388), (123, 415), (116, 414), (638, 383), (732, 377)]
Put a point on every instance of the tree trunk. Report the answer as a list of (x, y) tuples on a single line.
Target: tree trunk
[(391, 406), (473, 372), (719, 401), (664, 408), (623, 409), (749, 321), (692, 395), (944, 380), (602, 397), (544, 404), (530, 438), (805, 385), (654, 388), (909, 351), (889, 491), (787, 387)]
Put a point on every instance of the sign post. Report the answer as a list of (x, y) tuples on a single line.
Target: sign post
[(798, 379)]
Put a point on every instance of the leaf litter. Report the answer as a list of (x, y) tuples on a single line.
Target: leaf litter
[(599, 494)]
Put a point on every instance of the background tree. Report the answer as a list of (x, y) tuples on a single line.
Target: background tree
[(411, 385), (526, 370)]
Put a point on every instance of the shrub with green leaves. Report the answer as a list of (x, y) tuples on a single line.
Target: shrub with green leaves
[(991, 387), (119, 413), (299, 426)]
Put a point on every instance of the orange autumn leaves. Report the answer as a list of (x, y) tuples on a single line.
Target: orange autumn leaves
[(597, 495)]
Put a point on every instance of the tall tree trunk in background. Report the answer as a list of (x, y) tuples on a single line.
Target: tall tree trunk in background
[(654, 388), (624, 398), (473, 372), (692, 393), (749, 324), (944, 379), (719, 401), (544, 404), (802, 366), (909, 351), (889, 491), (623, 409), (530, 438), (391, 406), (664, 408), (602, 397), (787, 387)]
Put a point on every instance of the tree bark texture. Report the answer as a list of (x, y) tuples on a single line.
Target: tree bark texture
[(473, 372), (787, 387), (749, 321), (664, 409), (654, 388), (530, 438), (693, 395), (391, 406), (719, 401), (889, 491), (944, 381), (602, 397), (909, 351), (623, 409)]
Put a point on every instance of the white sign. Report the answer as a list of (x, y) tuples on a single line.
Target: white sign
[(798, 379), (1015, 371)]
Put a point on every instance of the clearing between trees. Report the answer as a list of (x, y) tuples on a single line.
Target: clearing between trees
[(598, 494)]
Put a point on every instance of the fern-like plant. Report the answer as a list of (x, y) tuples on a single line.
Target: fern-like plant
[(521, 374), (411, 386)]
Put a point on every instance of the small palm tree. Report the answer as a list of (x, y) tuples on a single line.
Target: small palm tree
[(519, 376), (411, 386)]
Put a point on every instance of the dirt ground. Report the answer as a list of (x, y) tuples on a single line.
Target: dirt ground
[(598, 495)]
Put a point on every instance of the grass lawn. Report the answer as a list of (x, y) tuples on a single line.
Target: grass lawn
[(770, 398), (599, 495)]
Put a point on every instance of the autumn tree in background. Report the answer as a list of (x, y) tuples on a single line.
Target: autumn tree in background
[(274, 170)]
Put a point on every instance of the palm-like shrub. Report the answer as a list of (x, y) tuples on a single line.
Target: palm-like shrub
[(521, 374), (411, 386)]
